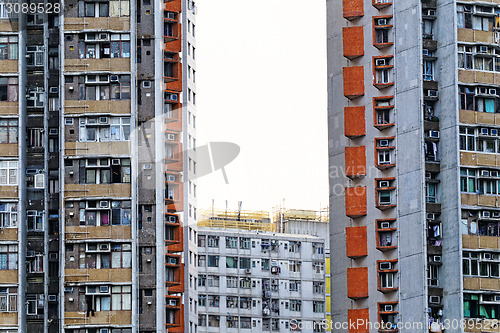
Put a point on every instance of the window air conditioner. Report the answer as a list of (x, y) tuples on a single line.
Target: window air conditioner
[(52, 298), (484, 131), (385, 266), (53, 90), (170, 137), (173, 97), (383, 183), (485, 173), (487, 256), (146, 84), (434, 134), (432, 93), (495, 215), (103, 120), (104, 204), (388, 308), (384, 143), (104, 247), (429, 12), (172, 219), (171, 16), (382, 22), (436, 259), (431, 216), (380, 62), (494, 173), (483, 49), (170, 178), (104, 289), (114, 78), (115, 161), (385, 225), (435, 299), (485, 214), (172, 302), (494, 132), (425, 52)]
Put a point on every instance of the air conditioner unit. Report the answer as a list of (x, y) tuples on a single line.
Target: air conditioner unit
[(68, 289), (383, 183), (382, 22), (114, 78), (385, 266), (115, 161), (494, 132), (485, 214), (434, 134), (384, 143), (485, 173), (53, 131), (484, 131), (30, 253), (52, 298), (380, 62), (53, 90), (388, 308), (495, 215), (172, 261), (104, 330), (103, 37), (431, 216), (497, 298), (492, 91), (173, 97), (432, 93), (172, 219), (103, 120), (385, 225), (32, 213), (248, 271), (436, 258), (53, 256), (435, 299), (482, 90), (104, 247), (425, 52), (170, 137), (494, 173), (146, 84), (483, 49), (104, 289), (429, 12), (428, 175), (487, 256), (170, 178), (170, 16)]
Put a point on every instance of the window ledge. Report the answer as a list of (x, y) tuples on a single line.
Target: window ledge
[(383, 85), (385, 166), (382, 127), (384, 207), (382, 45), (386, 248)]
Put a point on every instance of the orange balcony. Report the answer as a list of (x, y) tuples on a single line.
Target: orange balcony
[(173, 193), (172, 71), (172, 219), (173, 153), (172, 260), (177, 326), (355, 162), (354, 82), (353, 9), (171, 97), (173, 6), (173, 302), (355, 201), (172, 31), (354, 121), (359, 320), (357, 282), (173, 114), (353, 41), (175, 238), (356, 242), (178, 279), (379, 4)]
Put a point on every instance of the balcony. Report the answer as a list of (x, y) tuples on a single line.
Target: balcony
[(89, 107), (107, 232), (99, 318), (98, 275), (122, 190), (97, 23), (97, 148), (8, 66), (97, 65), (380, 4)]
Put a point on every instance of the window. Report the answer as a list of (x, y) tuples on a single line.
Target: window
[(35, 137), (104, 87), (121, 256), (431, 192), (385, 150), (213, 281), (231, 262), (383, 112), (9, 89), (8, 172), (232, 282), (9, 130), (202, 320), (468, 180), (121, 298), (294, 247), (213, 321), (245, 283), (202, 300), (295, 305), (9, 48), (465, 57), (231, 242), (294, 266), (8, 257), (295, 285), (34, 55), (231, 302), (202, 280), (244, 243), (105, 171), (8, 299), (34, 304), (8, 215), (382, 26), (213, 261), (104, 129), (318, 267), (318, 307), (213, 241), (433, 275), (245, 263), (202, 261), (464, 16), (428, 70), (245, 322), (467, 139), (213, 301), (318, 287), (120, 46), (427, 29), (202, 241)]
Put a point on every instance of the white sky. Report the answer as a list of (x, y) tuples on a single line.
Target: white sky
[(261, 83)]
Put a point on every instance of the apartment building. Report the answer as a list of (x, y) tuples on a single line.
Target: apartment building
[(413, 96), (98, 114), (254, 279), (312, 223)]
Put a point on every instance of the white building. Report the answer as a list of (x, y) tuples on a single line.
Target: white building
[(261, 281)]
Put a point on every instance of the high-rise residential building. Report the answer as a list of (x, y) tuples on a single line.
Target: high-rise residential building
[(251, 278), (313, 223), (97, 166), (413, 142)]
